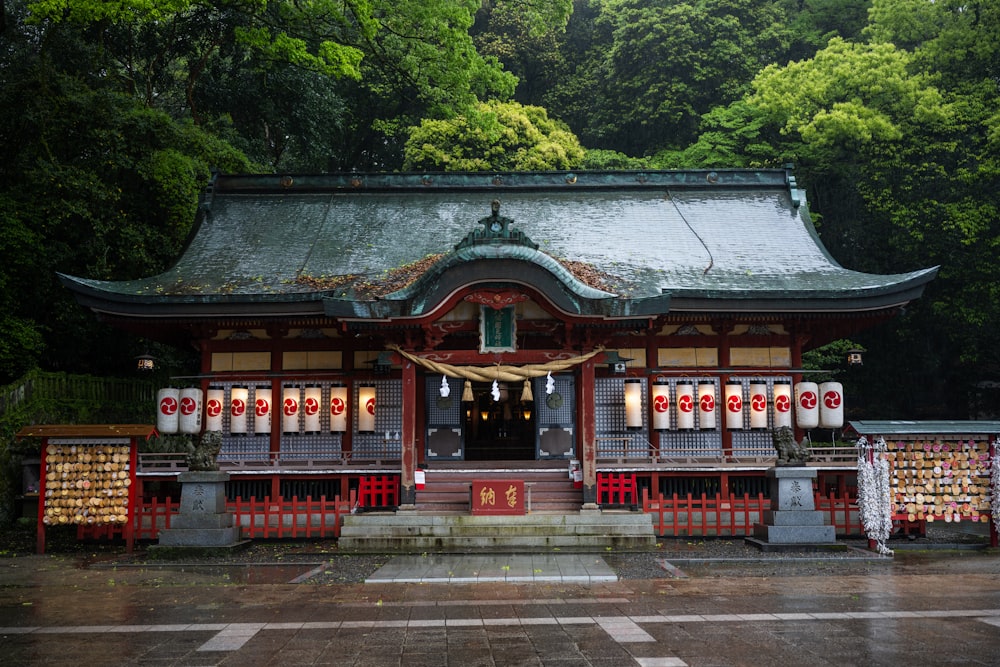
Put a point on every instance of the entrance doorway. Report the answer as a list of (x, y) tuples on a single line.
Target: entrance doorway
[(502, 430)]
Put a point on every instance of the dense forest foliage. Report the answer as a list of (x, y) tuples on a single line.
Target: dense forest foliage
[(114, 115)]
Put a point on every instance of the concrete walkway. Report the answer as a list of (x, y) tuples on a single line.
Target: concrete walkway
[(495, 568)]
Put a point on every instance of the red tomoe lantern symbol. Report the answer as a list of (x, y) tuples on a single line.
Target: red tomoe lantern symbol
[(261, 407), (311, 406), (213, 408), (188, 405), (808, 400), (239, 407), (168, 405), (734, 404), (337, 406), (831, 399), (758, 403), (370, 406), (661, 403), (685, 403), (707, 403), (782, 403), (291, 406)]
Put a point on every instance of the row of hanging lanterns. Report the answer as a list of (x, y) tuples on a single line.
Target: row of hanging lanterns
[(815, 405), (180, 410)]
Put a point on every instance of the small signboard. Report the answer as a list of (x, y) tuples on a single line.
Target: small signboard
[(497, 329), (498, 496)]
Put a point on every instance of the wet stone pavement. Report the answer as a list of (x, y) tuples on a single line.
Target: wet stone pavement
[(687, 603)]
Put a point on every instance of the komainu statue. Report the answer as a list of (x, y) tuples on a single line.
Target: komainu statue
[(790, 453), (206, 452)]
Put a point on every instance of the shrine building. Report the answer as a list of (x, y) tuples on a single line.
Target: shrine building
[(437, 328)]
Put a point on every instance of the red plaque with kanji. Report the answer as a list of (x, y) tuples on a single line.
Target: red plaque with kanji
[(498, 496)]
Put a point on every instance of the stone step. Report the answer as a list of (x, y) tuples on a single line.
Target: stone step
[(414, 531)]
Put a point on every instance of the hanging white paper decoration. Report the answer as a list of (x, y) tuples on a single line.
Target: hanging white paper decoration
[(874, 506), (167, 401), (189, 407), (238, 410), (338, 409), (661, 405), (262, 410), (214, 399), (685, 404), (734, 405), (831, 405), (782, 404), (310, 407), (706, 404), (807, 405), (758, 404)]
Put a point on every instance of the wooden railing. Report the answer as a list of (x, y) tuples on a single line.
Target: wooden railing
[(39, 386), (728, 515)]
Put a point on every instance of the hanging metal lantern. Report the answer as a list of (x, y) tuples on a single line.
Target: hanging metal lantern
[(189, 407), (758, 404), (706, 404), (168, 403), (685, 404), (831, 405), (633, 403), (366, 409), (238, 410), (661, 405), (734, 405), (807, 405), (782, 404), (338, 408)]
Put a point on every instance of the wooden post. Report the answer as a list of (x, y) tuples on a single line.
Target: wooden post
[(588, 430), (408, 458)]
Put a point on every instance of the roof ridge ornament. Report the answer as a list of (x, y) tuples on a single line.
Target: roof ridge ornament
[(496, 229)]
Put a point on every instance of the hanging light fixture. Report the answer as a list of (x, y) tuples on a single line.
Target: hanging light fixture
[(831, 405), (734, 405), (706, 404), (758, 404), (310, 407), (262, 410), (633, 403), (854, 357), (807, 405), (167, 418), (338, 408), (782, 404), (685, 404), (215, 398), (238, 410), (661, 404), (290, 398), (366, 408), (189, 408), (145, 363)]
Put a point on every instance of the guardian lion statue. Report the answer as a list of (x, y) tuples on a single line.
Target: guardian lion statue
[(790, 453), (205, 454)]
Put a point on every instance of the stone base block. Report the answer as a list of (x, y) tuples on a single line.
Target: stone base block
[(793, 518), (795, 534), (199, 537), (763, 545)]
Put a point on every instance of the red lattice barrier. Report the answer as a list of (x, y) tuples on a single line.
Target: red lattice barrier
[(378, 491), (289, 519), (616, 489)]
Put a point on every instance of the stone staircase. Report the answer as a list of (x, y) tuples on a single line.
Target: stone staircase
[(447, 489), (414, 531)]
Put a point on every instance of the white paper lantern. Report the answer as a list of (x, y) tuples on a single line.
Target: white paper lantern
[(758, 404), (366, 409), (661, 405), (290, 400), (167, 408), (734, 405), (238, 410), (262, 408), (782, 404), (633, 403), (338, 409), (831, 405), (190, 410), (310, 407), (807, 405), (685, 404), (706, 404), (215, 398)]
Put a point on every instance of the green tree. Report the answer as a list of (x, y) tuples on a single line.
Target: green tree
[(493, 136)]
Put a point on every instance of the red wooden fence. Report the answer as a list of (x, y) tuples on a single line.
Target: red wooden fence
[(616, 489), (259, 519), (720, 516), (378, 491)]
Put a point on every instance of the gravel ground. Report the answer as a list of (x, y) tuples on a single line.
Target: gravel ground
[(672, 557)]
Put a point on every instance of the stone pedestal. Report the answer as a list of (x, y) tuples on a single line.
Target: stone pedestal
[(793, 521), (203, 521)]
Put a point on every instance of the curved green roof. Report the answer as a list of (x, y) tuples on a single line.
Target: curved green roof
[(700, 240)]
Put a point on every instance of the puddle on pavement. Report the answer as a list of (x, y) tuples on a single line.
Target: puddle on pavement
[(258, 573)]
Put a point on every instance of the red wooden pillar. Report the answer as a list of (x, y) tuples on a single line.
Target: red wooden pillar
[(588, 431), (408, 460)]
